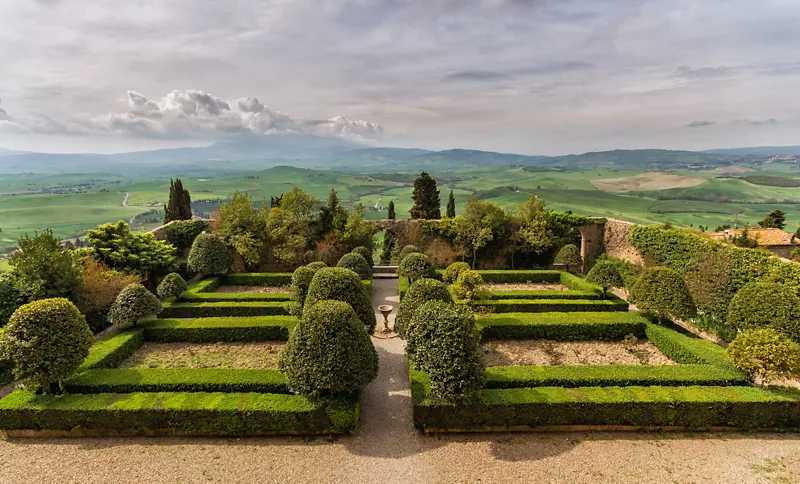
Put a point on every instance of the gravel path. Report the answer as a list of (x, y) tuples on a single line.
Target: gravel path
[(387, 449)]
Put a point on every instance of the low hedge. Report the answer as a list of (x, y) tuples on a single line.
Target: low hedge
[(257, 279), (235, 296), (223, 309), (611, 375), (545, 294), (552, 305), (178, 412), (227, 329), (685, 349), (130, 380), (697, 407), (605, 326), (112, 350)]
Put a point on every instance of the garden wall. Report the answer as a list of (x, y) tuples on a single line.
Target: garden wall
[(615, 241)]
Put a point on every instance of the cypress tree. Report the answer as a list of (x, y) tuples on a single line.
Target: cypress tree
[(451, 206), (179, 206), (392, 215), (427, 204)]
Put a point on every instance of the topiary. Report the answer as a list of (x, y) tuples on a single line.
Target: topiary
[(133, 303), (301, 279), (766, 304), (339, 284), (329, 352), (46, 340), (406, 250), (210, 255), (420, 292), (443, 342), (416, 266), (469, 288), (663, 292), (172, 285), (605, 275), (356, 263), (569, 255), (764, 354), (365, 253), (453, 270)]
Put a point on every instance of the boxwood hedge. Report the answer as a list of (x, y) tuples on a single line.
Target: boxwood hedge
[(606, 326), (552, 305), (130, 380), (223, 309), (257, 279), (112, 350), (200, 330)]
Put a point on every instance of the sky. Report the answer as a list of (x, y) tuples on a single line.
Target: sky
[(524, 76)]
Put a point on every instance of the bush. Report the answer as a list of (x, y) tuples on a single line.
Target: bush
[(133, 303), (416, 266), (366, 254), (406, 250), (453, 270), (46, 340), (44, 268), (569, 255), (172, 285), (422, 291), (301, 279), (627, 270), (766, 304), (469, 288), (329, 352), (605, 274), (443, 342), (356, 263), (133, 253), (663, 292), (210, 255), (10, 297), (341, 284), (709, 284), (181, 233), (764, 354), (99, 288)]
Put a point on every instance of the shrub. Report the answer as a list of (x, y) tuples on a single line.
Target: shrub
[(443, 342), (44, 268), (339, 284), (422, 291), (99, 288), (329, 352), (134, 253), (663, 292), (764, 354), (569, 255), (469, 288), (173, 285), (709, 284), (453, 270), (795, 254), (210, 255), (301, 279), (10, 297), (766, 304), (605, 274), (133, 303), (356, 263), (366, 254), (406, 250), (46, 340), (627, 270), (416, 266), (181, 233)]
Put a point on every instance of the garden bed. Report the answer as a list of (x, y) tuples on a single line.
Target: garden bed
[(252, 290), (553, 353), (253, 356)]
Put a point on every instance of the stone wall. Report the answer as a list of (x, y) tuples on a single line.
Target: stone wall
[(615, 241)]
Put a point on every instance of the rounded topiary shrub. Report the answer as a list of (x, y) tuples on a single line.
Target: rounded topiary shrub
[(134, 302), (46, 341), (329, 352), (764, 354), (172, 285), (663, 292), (416, 266), (356, 263), (339, 284), (569, 255), (365, 253), (469, 287), (453, 270), (445, 344), (301, 279), (420, 292), (766, 304), (210, 255), (406, 250), (605, 275)]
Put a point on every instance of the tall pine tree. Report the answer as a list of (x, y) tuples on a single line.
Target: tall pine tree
[(451, 206), (392, 215), (179, 206), (427, 204)]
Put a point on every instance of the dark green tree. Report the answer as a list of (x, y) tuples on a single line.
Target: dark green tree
[(179, 206), (44, 268), (427, 204), (776, 219), (333, 217), (451, 206), (392, 215), (745, 240)]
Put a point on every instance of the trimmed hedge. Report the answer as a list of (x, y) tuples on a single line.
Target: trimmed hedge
[(508, 277), (544, 294), (189, 413), (607, 326), (227, 329), (685, 349), (130, 380), (235, 296), (610, 375), (223, 309), (112, 350), (552, 305), (257, 279), (578, 287)]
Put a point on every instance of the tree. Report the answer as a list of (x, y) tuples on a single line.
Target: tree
[(134, 302), (451, 206), (391, 215), (663, 292), (44, 268), (766, 304), (243, 227), (179, 206), (776, 219), (479, 224), (744, 240), (530, 228), (333, 216), (10, 297), (46, 340), (764, 354), (209, 255), (569, 256), (99, 288), (133, 253), (426, 199), (605, 275), (357, 231), (290, 227)]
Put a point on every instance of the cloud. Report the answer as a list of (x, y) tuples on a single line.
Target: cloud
[(699, 124), (688, 73), (756, 122), (475, 76), (3, 113)]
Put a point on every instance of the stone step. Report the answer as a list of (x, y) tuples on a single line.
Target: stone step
[(384, 269), (384, 276)]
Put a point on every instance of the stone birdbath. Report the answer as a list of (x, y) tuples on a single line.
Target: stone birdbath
[(385, 310)]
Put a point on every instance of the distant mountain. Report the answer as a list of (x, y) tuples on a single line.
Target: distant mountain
[(759, 151), (649, 159)]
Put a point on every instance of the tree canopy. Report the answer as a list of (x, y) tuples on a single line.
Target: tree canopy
[(427, 204), (179, 206)]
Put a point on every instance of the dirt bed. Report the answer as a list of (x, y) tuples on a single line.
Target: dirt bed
[(551, 353), (539, 286), (258, 356), (257, 289)]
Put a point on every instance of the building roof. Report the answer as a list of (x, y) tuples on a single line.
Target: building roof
[(766, 237)]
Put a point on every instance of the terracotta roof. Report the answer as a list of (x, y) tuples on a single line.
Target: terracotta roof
[(763, 236)]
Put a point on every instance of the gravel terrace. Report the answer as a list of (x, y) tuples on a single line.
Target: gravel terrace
[(547, 353), (387, 449)]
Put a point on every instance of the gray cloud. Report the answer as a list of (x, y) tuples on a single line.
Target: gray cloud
[(475, 76), (3, 113), (756, 122), (699, 124), (703, 72)]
